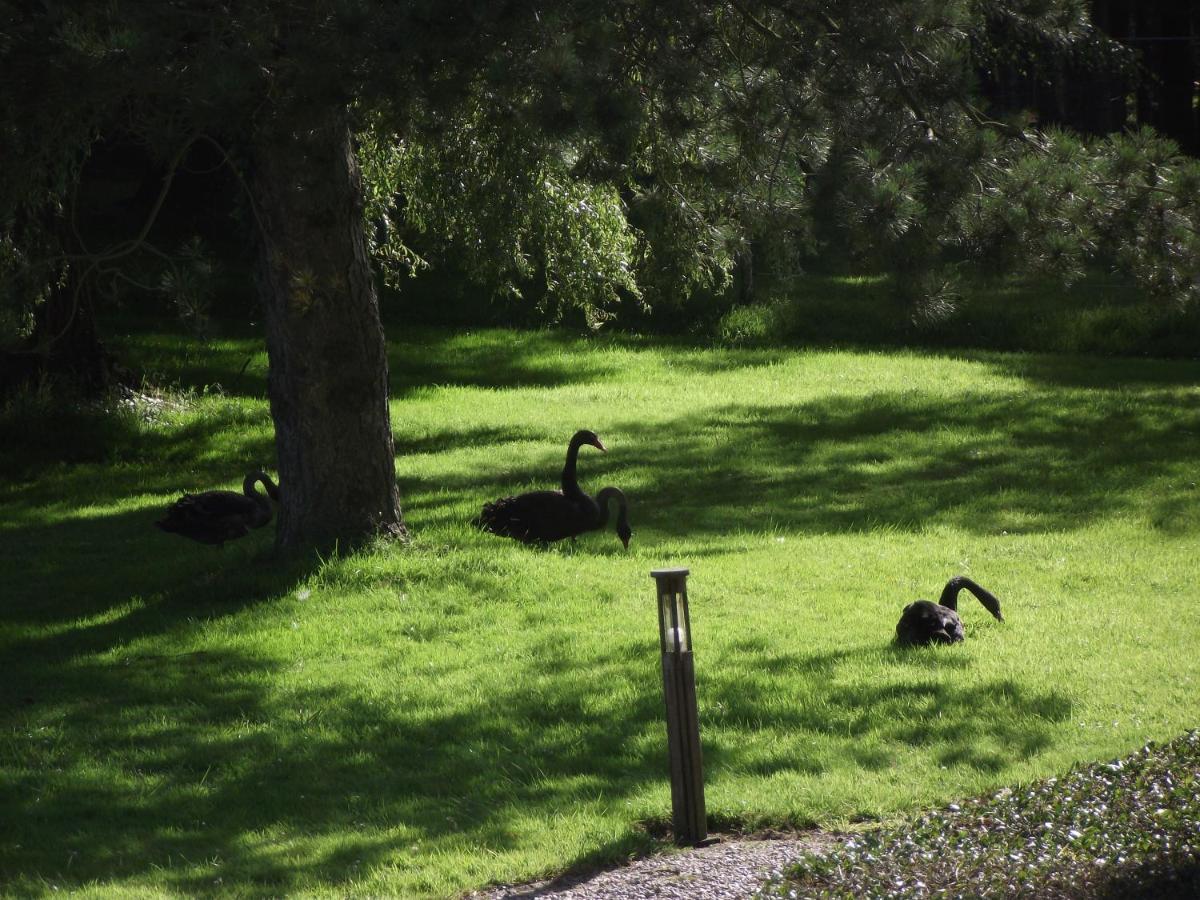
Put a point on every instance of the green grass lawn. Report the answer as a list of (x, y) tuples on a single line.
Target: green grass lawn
[(420, 720)]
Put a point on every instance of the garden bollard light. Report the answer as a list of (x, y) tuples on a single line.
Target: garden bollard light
[(679, 690)]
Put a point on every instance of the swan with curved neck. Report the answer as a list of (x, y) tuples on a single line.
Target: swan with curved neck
[(602, 501), (214, 517), (924, 622), (543, 517)]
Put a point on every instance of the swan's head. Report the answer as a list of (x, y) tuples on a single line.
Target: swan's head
[(624, 532), (589, 437)]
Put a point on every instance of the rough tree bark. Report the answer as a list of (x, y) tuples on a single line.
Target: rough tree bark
[(328, 379)]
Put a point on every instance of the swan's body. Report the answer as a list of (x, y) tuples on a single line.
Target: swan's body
[(214, 517), (925, 622), (543, 517)]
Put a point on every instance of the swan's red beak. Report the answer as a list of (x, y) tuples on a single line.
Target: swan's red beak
[(599, 445)]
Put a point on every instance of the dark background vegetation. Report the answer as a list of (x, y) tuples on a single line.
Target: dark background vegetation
[(812, 299)]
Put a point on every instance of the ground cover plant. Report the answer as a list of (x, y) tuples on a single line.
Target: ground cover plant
[(1124, 828), (422, 719)]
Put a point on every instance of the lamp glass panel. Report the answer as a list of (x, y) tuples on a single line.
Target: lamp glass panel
[(681, 624), (664, 621)]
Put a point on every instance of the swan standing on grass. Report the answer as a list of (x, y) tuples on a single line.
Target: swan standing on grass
[(543, 517), (214, 517)]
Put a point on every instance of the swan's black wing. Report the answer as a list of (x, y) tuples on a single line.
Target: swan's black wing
[(219, 505), (924, 622), (539, 517), (212, 517)]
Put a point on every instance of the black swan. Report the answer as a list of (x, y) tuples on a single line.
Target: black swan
[(924, 622), (542, 517), (214, 517)]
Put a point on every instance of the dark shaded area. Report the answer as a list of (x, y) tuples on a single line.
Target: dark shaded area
[(41, 435), (1036, 460), (316, 762), (1101, 314), (1178, 880), (1097, 92)]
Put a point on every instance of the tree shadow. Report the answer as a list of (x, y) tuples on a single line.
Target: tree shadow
[(375, 775), (107, 735), (81, 568), (980, 463), (229, 771), (100, 455), (1057, 371), (986, 726), (492, 359), (135, 751)]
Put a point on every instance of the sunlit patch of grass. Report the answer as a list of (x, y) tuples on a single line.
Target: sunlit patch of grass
[(421, 719)]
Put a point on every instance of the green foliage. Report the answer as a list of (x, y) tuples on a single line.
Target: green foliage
[(1119, 829), (508, 210), (22, 294), (422, 720), (582, 159), (1127, 200)]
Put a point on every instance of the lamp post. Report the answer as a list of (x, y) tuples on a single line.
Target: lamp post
[(679, 691)]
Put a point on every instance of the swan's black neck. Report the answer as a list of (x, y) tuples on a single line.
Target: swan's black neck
[(612, 493), (570, 482), (986, 597), (248, 487), (949, 597)]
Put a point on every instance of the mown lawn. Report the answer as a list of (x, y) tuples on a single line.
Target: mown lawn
[(420, 720)]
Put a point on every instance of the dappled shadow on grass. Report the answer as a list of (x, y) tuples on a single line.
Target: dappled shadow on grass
[(59, 539), (419, 359), (128, 759), (982, 463), (234, 363), (136, 761), (192, 765), (101, 454), (1059, 371), (984, 726), (140, 749), (451, 438), (103, 574), (502, 359)]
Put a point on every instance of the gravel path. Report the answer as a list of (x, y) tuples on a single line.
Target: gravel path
[(731, 869)]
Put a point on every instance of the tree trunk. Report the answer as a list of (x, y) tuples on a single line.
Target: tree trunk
[(328, 379)]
